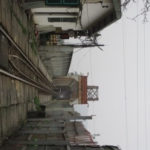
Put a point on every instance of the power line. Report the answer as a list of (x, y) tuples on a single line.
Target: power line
[(137, 42), (91, 74), (145, 100), (78, 50), (93, 113), (81, 58), (90, 61), (125, 86)]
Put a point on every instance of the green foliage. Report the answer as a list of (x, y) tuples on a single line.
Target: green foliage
[(34, 44), (37, 103), (24, 30)]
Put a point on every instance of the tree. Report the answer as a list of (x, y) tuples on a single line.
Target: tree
[(144, 11)]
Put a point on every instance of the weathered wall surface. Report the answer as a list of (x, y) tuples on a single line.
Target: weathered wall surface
[(16, 97), (57, 59), (44, 99), (21, 29), (52, 133)]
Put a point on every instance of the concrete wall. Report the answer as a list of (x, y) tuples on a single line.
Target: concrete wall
[(16, 97), (44, 99), (57, 59), (16, 23)]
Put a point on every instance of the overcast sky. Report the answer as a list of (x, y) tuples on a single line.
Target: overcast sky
[(122, 72)]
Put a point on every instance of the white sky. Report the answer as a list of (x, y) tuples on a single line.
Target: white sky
[(122, 72)]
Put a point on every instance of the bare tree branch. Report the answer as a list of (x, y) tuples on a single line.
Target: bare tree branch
[(144, 11)]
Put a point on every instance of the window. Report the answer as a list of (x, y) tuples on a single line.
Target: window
[(53, 2), (71, 2), (62, 19), (62, 2)]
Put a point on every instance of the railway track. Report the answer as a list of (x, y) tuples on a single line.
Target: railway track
[(21, 68)]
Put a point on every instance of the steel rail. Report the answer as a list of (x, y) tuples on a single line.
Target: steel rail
[(22, 53), (21, 73), (23, 80), (20, 59), (30, 80), (47, 90)]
